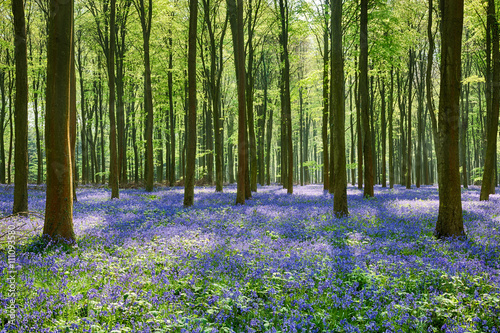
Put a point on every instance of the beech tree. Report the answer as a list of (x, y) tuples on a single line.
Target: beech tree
[(338, 107), (488, 182), (235, 14), (59, 203), (450, 222), (21, 110), (364, 98), (191, 133)]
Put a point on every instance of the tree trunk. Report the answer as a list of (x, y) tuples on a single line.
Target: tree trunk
[(324, 129), (363, 96), (287, 111), (146, 22), (450, 222), (338, 107), (191, 129), (235, 14), (359, 134), (488, 183), (384, 133), (21, 110), (2, 131), (391, 139), (408, 136), (59, 202), (171, 113)]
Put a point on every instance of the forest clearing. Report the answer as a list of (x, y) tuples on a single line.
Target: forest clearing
[(280, 263)]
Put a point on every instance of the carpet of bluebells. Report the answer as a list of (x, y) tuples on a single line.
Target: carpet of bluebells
[(280, 263)]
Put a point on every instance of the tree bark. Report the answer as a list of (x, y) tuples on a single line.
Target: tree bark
[(21, 110), (324, 128), (113, 163), (146, 22), (450, 222), (59, 203), (338, 107), (191, 133), (235, 14), (363, 96), (488, 182)]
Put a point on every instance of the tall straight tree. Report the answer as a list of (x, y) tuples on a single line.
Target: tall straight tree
[(363, 97), (235, 14), (488, 183), (21, 110), (59, 203), (113, 164), (338, 107), (211, 11), (324, 128), (450, 222), (145, 15), (286, 106), (191, 124)]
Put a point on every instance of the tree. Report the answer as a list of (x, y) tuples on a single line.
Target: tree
[(59, 203), (488, 183), (363, 97), (235, 14), (113, 164), (191, 133), (146, 22), (286, 107), (338, 107), (450, 222), (21, 110)]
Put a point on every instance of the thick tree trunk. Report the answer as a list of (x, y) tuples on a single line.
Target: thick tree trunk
[(59, 202), (21, 110), (450, 222)]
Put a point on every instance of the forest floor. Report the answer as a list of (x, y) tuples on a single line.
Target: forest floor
[(280, 263)]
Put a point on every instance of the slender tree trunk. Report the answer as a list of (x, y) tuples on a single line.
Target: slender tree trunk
[(408, 137), (171, 112), (191, 133), (59, 202), (428, 81), (72, 121), (324, 129), (450, 222), (488, 182), (391, 139), (21, 110), (363, 96), (146, 22), (359, 134), (338, 107), (384, 133), (2, 131), (235, 13)]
